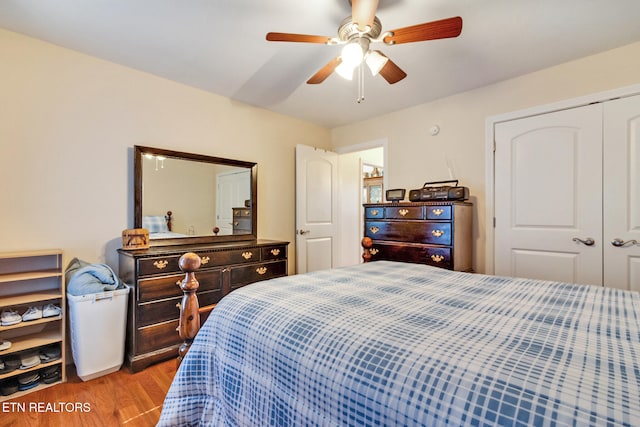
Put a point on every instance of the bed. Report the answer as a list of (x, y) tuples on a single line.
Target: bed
[(159, 226), (394, 344)]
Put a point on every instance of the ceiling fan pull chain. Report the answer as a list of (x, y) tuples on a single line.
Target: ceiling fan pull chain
[(360, 83)]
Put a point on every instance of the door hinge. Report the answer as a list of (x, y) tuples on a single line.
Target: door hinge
[(494, 222)]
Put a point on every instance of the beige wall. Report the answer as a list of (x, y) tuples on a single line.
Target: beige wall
[(414, 156), (68, 124)]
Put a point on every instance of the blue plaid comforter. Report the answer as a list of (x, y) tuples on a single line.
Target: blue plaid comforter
[(392, 344)]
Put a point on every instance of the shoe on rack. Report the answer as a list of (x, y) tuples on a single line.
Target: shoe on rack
[(4, 345), (50, 310), (10, 317), (29, 359), (28, 380), (50, 353), (9, 386), (9, 364), (32, 313)]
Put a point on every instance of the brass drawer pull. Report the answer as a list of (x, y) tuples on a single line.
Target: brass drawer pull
[(275, 252), (373, 229), (437, 258), (403, 212), (437, 212), (205, 260), (375, 212), (247, 255), (160, 265), (437, 233), (261, 270)]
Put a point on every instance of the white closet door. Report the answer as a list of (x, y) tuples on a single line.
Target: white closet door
[(621, 207), (548, 192)]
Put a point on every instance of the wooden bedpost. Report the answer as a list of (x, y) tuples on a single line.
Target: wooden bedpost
[(366, 243), (169, 225), (189, 309)]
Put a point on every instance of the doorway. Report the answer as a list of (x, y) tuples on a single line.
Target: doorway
[(354, 164)]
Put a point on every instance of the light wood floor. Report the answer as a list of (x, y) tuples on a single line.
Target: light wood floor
[(118, 399)]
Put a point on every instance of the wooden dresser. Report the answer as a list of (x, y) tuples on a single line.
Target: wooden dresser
[(155, 276), (241, 220), (434, 233)]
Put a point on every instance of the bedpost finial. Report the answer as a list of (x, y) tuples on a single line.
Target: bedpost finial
[(189, 262), (367, 243)]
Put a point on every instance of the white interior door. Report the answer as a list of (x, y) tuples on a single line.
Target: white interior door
[(548, 193), (232, 190), (621, 207), (316, 208)]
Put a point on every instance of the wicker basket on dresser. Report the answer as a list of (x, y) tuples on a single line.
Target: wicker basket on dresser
[(434, 233)]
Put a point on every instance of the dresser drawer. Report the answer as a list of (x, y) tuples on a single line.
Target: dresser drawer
[(438, 212), (376, 212), (420, 254), (404, 212), (274, 253), (241, 212), (167, 309), (244, 275), (158, 336), (158, 265), (438, 233), (239, 256), (167, 286)]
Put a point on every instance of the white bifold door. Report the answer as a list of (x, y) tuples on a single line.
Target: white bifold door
[(567, 195)]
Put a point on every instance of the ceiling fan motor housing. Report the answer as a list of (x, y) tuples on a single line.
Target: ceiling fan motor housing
[(349, 30)]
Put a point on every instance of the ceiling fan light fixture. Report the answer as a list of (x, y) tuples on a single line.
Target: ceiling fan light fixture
[(345, 71), (352, 54), (375, 61)]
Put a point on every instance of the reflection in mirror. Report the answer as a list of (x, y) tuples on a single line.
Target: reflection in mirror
[(182, 196)]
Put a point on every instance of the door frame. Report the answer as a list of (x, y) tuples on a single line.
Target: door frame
[(356, 205), (519, 114)]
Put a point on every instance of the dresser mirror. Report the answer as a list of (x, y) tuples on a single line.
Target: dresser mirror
[(184, 198)]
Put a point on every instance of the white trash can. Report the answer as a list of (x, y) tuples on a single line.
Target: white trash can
[(98, 328)]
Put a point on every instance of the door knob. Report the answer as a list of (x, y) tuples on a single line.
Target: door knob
[(619, 243), (588, 241), (301, 232)]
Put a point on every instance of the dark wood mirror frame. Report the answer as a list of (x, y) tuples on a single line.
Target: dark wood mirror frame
[(139, 151)]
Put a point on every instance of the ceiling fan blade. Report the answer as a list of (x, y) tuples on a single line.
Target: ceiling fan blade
[(324, 72), (363, 12), (442, 29), (300, 38), (392, 73)]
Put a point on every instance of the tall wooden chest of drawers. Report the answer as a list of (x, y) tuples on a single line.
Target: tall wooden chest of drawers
[(434, 233), (155, 276)]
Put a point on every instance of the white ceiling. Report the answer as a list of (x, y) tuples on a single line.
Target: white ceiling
[(220, 46)]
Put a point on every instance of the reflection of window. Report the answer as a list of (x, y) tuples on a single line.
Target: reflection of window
[(373, 189)]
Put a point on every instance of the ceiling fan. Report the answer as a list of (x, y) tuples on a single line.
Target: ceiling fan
[(358, 31)]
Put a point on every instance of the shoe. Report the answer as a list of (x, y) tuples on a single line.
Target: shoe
[(4, 345), (29, 360), (50, 310), (8, 387), (50, 353), (51, 374), (9, 364), (28, 380), (32, 313), (10, 317)]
